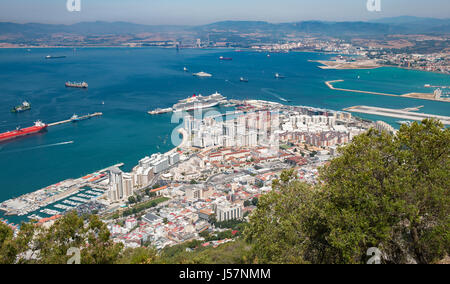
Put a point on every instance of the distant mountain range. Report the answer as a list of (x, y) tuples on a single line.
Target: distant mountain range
[(398, 25)]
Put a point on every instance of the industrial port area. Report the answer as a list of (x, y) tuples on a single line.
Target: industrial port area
[(222, 163)]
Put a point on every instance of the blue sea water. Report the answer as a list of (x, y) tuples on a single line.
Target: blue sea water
[(132, 81)]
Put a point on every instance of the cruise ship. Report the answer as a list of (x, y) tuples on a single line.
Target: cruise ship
[(199, 102), (202, 74)]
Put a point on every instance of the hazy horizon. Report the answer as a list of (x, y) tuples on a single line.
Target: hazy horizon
[(198, 12)]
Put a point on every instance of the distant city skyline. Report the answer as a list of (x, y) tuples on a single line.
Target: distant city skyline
[(196, 12)]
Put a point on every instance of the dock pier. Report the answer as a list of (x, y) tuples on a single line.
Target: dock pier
[(80, 118)]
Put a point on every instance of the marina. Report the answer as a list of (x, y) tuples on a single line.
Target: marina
[(73, 203), (63, 195), (397, 113)]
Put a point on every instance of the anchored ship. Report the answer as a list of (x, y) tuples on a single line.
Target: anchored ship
[(38, 127), (77, 85), (23, 107), (199, 102), (202, 74)]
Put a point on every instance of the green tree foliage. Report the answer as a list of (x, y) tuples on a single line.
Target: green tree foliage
[(39, 244), (141, 255), (236, 252), (390, 192), (6, 235), (233, 224), (131, 199)]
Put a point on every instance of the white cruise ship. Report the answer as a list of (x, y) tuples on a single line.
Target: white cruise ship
[(199, 102)]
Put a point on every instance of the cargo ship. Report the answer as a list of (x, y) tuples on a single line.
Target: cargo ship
[(83, 85), (23, 107), (278, 76), (225, 58), (39, 126), (199, 102), (242, 79)]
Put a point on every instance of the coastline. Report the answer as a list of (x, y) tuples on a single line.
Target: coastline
[(168, 146), (324, 67)]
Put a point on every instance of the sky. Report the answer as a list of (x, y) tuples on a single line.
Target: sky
[(196, 12)]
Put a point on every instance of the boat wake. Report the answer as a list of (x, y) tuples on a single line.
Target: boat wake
[(267, 91), (233, 84), (37, 147)]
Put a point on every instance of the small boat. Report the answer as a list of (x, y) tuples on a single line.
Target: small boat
[(185, 69), (244, 80), (74, 118)]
